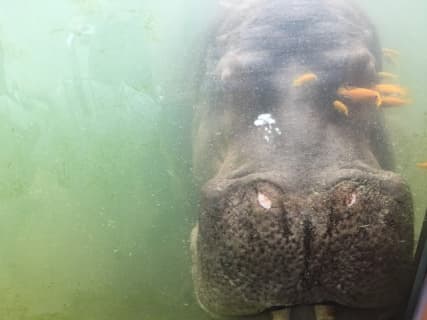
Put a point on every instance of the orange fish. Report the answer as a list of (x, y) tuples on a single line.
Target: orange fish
[(391, 101), (357, 94), (304, 78), (422, 165), (391, 52), (387, 75), (341, 107), (391, 55), (391, 89)]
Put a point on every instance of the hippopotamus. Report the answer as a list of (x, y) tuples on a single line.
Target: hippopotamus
[(299, 204)]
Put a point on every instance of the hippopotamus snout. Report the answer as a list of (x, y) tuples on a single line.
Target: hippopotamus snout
[(261, 245)]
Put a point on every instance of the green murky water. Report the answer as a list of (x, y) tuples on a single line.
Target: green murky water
[(96, 196), (402, 25)]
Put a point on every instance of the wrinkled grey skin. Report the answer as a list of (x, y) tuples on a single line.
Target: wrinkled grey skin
[(315, 214)]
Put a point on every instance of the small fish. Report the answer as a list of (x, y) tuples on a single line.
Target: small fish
[(341, 107), (357, 94), (391, 101), (392, 52), (391, 55), (387, 75), (391, 89), (304, 78), (422, 165)]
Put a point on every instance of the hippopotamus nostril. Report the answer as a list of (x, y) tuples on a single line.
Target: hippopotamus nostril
[(351, 200), (264, 201)]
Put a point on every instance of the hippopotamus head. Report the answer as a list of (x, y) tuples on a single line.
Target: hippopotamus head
[(298, 201)]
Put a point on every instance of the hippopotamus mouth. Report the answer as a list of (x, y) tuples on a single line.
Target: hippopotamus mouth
[(260, 246), (299, 204)]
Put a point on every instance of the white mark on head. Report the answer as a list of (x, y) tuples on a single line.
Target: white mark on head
[(258, 123), (266, 121), (264, 201)]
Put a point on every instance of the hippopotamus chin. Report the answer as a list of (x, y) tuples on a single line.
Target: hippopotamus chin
[(299, 204)]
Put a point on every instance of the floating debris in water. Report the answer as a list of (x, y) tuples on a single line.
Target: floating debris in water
[(79, 31)]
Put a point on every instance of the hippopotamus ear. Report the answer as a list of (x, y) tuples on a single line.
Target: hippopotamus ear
[(357, 56), (355, 65), (361, 69)]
